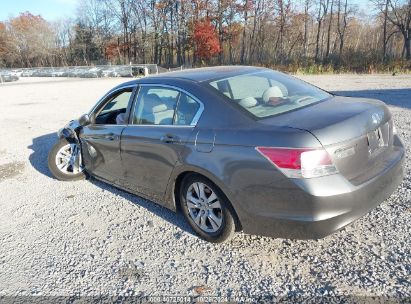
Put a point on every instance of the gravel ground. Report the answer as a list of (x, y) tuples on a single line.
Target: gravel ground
[(88, 238)]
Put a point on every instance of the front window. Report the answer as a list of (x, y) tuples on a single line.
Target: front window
[(114, 109), (268, 93)]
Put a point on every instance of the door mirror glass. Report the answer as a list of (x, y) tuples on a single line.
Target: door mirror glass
[(84, 120)]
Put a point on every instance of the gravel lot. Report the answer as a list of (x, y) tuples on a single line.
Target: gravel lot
[(88, 238)]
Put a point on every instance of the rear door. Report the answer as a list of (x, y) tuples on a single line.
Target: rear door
[(161, 121), (101, 138)]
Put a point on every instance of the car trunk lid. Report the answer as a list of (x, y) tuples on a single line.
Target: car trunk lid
[(357, 133)]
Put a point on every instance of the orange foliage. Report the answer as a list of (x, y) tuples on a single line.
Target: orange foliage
[(111, 49), (206, 40), (3, 38), (26, 21)]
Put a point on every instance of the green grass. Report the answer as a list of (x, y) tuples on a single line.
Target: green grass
[(355, 65)]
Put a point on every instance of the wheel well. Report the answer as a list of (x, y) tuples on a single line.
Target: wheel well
[(177, 186)]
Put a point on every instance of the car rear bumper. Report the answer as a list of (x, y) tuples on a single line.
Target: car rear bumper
[(318, 207)]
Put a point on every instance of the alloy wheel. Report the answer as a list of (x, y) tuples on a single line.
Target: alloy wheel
[(204, 207), (68, 159)]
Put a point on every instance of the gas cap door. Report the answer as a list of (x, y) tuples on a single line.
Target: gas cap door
[(205, 141)]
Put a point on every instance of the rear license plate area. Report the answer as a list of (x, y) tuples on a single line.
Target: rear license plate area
[(375, 141)]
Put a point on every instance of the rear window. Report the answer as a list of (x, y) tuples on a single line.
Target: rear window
[(268, 93)]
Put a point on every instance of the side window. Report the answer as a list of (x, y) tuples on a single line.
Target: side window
[(115, 108), (155, 106), (186, 110), (164, 106)]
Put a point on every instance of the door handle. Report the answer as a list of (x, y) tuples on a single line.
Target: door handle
[(110, 136), (168, 139)]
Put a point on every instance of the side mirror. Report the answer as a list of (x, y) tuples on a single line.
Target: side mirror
[(84, 120)]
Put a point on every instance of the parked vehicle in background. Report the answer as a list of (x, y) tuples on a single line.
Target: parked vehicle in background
[(6, 76)]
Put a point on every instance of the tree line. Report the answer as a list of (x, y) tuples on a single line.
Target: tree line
[(288, 34)]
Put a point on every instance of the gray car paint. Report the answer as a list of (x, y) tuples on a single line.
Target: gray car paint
[(222, 148)]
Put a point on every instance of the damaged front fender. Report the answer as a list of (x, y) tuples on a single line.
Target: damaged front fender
[(70, 133)]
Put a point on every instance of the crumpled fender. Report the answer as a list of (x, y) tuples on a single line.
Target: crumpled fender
[(70, 132)]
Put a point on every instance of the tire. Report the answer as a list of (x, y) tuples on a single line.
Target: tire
[(222, 217), (63, 175)]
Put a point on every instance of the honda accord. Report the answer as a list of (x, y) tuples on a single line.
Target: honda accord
[(238, 149)]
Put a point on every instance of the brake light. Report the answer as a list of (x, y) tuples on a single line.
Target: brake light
[(300, 163)]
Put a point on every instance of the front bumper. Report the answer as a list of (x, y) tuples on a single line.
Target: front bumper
[(318, 207)]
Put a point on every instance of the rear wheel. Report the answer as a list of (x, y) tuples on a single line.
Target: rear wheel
[(64, 161), (206, 209)]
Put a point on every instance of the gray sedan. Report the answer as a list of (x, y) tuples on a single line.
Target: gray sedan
[(238, 148)]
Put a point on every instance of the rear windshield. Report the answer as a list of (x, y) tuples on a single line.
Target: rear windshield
[(268, 93)]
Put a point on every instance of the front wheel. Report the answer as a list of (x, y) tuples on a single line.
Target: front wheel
[(64, 161), (206, 209)]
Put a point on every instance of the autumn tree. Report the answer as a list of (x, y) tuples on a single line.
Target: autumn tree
[(206, 40), (290, 34), (4, 42), (32, 40)]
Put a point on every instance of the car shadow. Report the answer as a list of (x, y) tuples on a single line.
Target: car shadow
[(41, 146), (38, 159), (394, 97)]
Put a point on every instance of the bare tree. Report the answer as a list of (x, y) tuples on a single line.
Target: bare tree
[(342, 23), (400, 16), (307, 5), (322, 12), (330, 22), (263, 32)]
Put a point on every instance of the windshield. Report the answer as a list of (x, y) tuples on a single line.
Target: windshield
[(268, 93)]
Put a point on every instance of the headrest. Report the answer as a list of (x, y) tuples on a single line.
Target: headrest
[(248, 102), (272, 92), (152, 100), (121, 118), (159, 108)]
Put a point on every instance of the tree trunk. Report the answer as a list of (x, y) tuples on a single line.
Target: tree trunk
[(306, 27), (242, 56), (407, 44), (384, 38), (317, 39), (327, 52)]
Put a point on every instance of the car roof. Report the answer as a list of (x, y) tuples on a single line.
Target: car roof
[(198, 74), (209, 73)]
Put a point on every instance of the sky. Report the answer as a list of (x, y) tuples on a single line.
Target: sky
[(51, 10)]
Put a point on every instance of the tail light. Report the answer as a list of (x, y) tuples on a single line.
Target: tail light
[(300, 163)]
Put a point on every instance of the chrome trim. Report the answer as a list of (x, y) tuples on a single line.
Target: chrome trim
[(168, 126), (196, 116), (133, 107), (192, 124)]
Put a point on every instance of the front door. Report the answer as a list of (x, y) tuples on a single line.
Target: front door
[(161, 122), (101, 138)]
